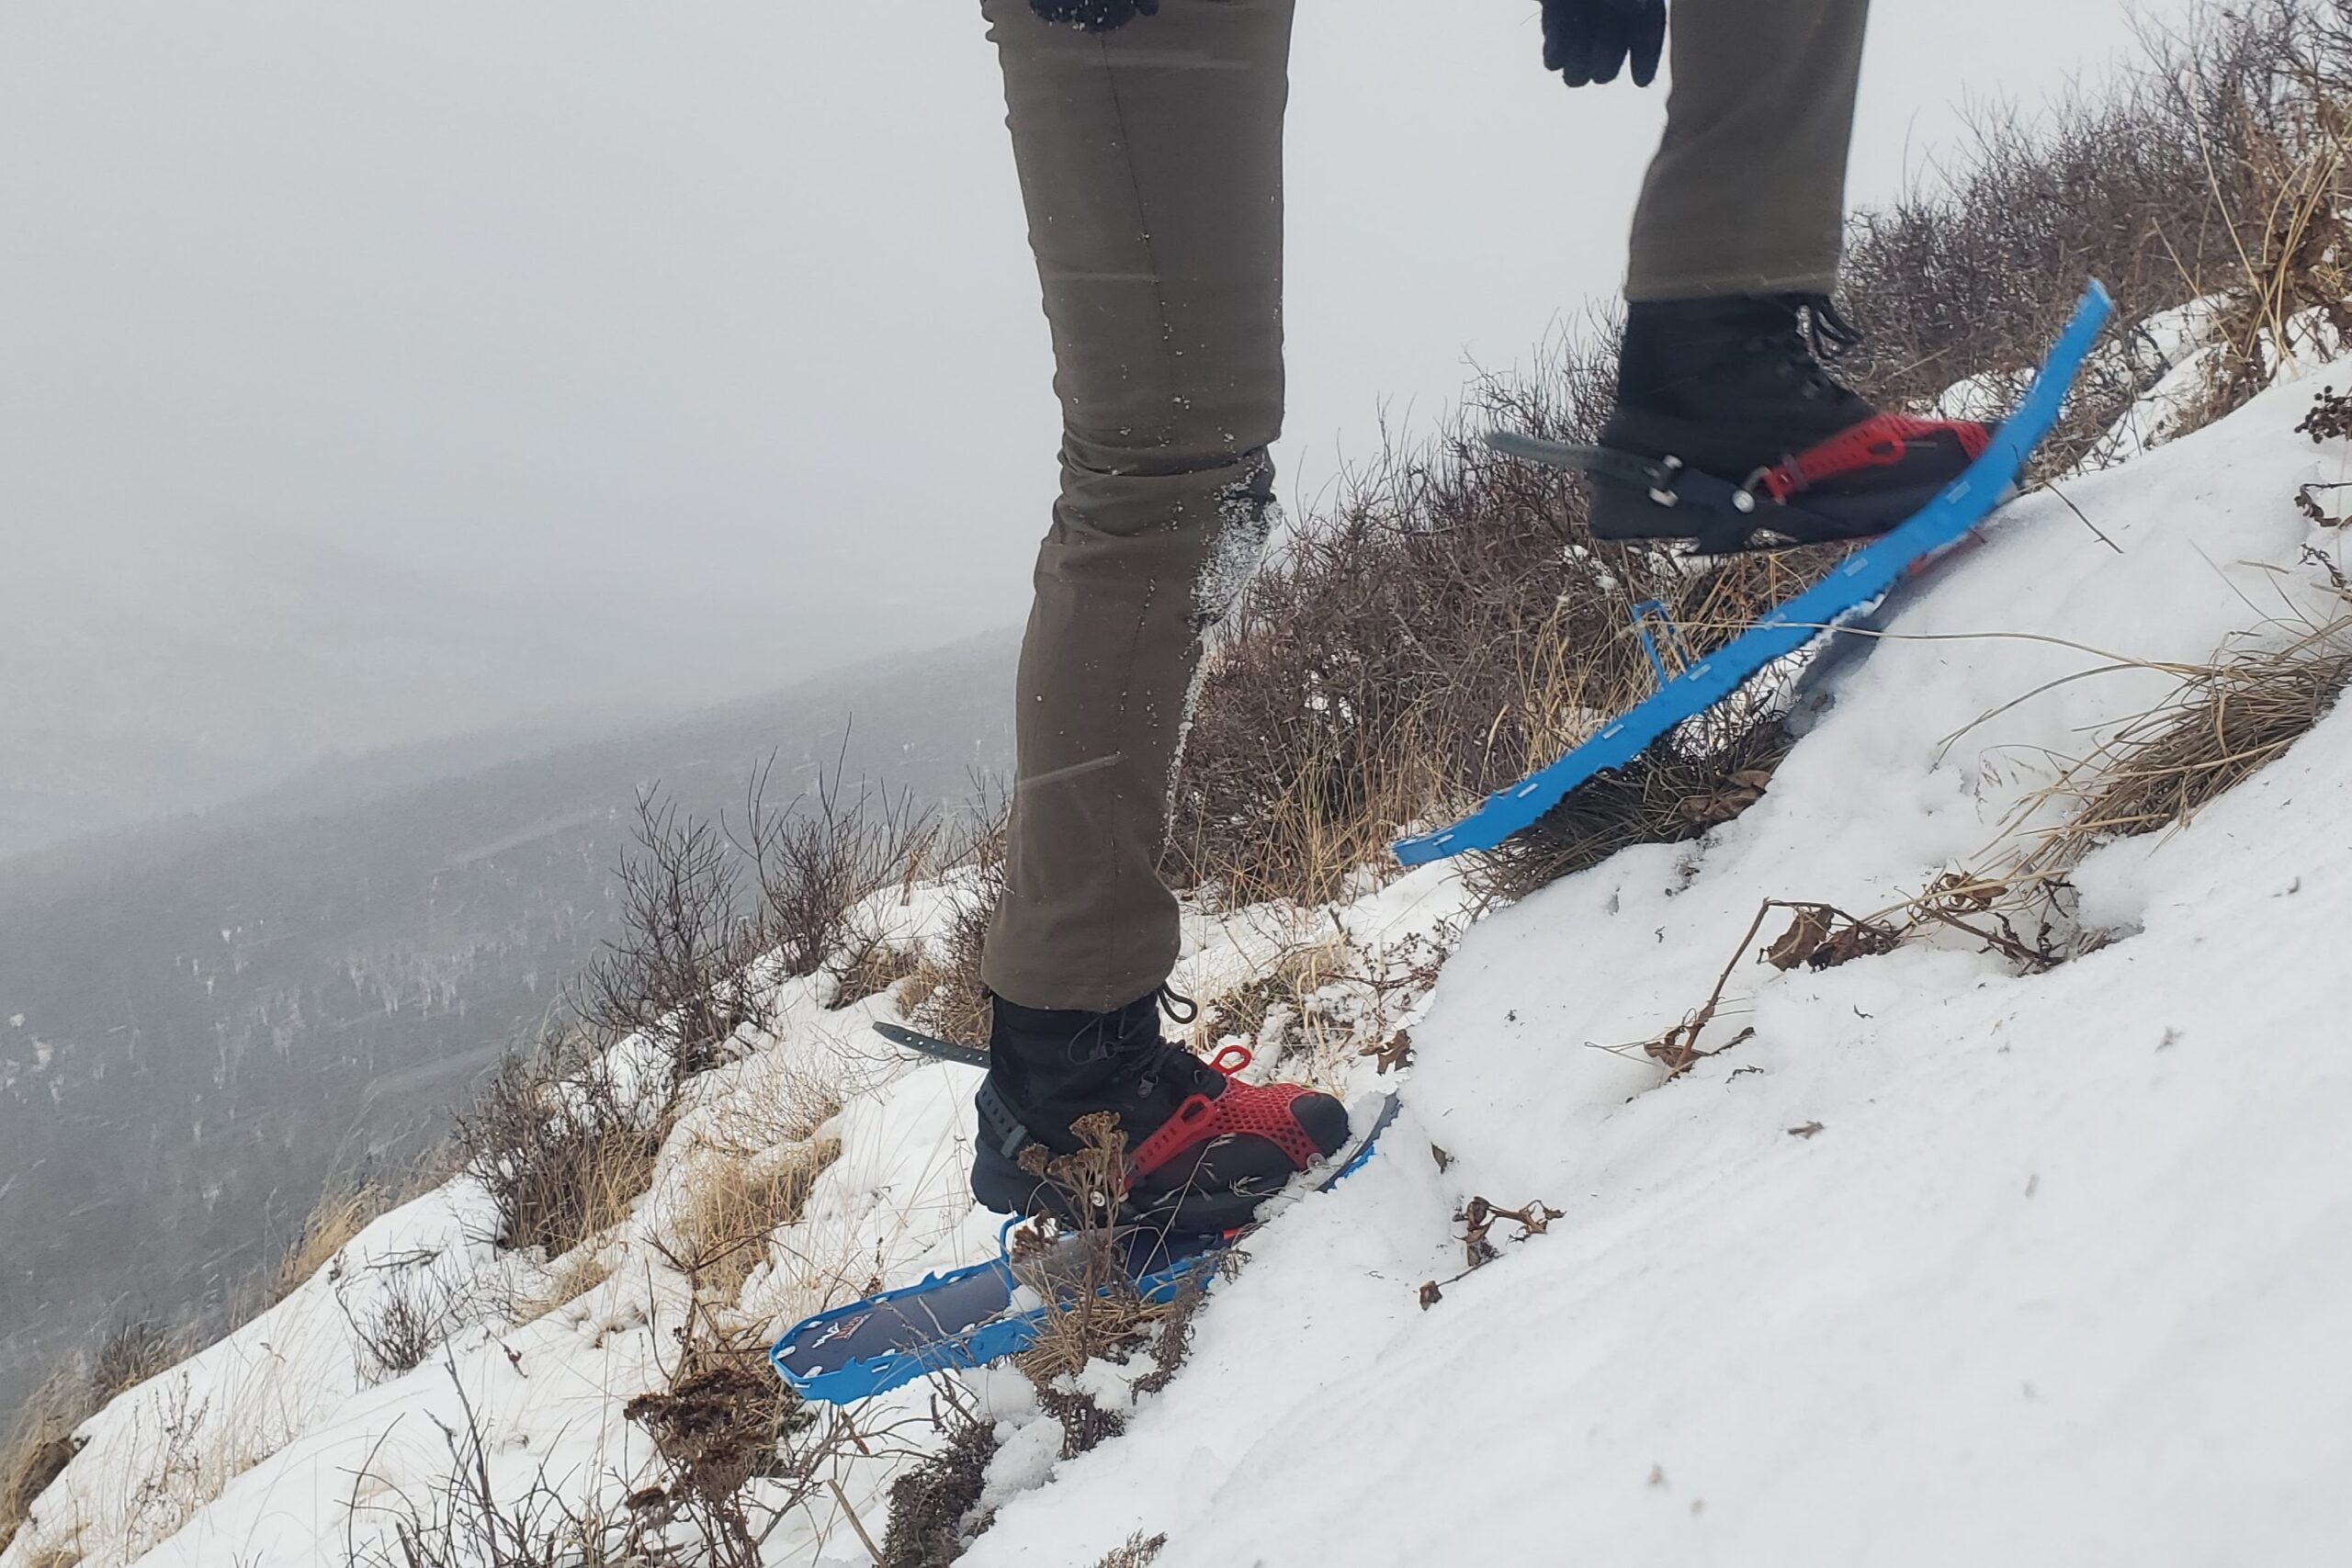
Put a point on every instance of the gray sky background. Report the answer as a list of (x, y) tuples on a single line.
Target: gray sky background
[(730, 302)]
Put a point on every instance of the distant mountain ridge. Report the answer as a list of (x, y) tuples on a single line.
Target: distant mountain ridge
[(163, 669), (200, 1020)]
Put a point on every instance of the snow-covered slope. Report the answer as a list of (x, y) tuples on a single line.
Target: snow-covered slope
[(1942, 1263), (2062, 1275)]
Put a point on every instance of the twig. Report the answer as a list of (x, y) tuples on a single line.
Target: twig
[(854, 1522)]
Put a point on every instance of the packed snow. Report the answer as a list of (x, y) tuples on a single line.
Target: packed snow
[(1933, 1262)]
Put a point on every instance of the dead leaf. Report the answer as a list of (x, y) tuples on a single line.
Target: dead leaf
[(1802, 939), (1807, 1130), (1430, 1295), (1397, 1053)]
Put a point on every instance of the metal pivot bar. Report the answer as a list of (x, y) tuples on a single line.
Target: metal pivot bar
[(1653, 619)]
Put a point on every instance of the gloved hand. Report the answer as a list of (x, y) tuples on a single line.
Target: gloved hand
[(1094, 16), (1588, 40)]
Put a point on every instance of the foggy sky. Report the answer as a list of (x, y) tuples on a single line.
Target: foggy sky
[(729, 301)]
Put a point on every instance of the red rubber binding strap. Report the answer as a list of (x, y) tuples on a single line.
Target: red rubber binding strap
[(1243, 1111), (1876, 443)]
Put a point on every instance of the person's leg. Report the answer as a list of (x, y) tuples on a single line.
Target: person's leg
[(1746, 194), (1733, 257), (1150, 164)]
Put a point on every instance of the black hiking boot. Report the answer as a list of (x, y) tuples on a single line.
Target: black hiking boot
[(1745, 441), (1203, 1150)]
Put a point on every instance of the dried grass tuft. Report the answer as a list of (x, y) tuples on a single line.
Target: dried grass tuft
[(40, 1443), (2226, 722), (735, 1206), (1140, 1551), (342, 1210)]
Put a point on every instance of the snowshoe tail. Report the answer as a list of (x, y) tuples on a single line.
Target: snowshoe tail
[(932, 1047)]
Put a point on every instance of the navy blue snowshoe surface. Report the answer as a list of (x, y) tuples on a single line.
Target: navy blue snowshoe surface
[(1858, 582)]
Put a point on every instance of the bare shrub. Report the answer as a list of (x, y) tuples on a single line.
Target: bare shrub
[(409, 1313), (723, 1425), (2216, 169), (552, 1140), (678, 974), (871, 965), (822, 856), (464, 1521), (1445, 624), (932, 1503), (945, 996), (1443, 627)]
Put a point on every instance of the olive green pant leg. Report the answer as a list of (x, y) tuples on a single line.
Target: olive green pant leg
[(1150, 165), (1747, 192)]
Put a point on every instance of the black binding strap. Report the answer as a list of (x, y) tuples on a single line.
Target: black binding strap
[(998, 1121)]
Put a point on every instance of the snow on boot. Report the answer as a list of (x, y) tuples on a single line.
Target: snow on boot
[(1203, 1149), (1739, 439)]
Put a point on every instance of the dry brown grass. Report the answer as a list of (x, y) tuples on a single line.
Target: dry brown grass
[(1443, 627), (1141, 1551), (2226, 721), (574, 1275), (40, 1443), (734, 1207), (945, 996), (871, 966), (342, 1210)]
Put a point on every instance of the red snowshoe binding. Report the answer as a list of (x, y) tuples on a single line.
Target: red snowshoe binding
[(1204, 1149), (1728, 434)]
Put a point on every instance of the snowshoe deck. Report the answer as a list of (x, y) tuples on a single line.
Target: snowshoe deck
[(1857, 582)]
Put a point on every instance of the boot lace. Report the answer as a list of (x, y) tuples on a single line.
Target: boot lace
[(1181, 1009), (1818, 333)]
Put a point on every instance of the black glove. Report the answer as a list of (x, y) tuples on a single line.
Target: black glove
[(1588, 40), (1093, 16)]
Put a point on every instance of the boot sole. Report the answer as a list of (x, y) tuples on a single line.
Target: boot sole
[(1624, 513)]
